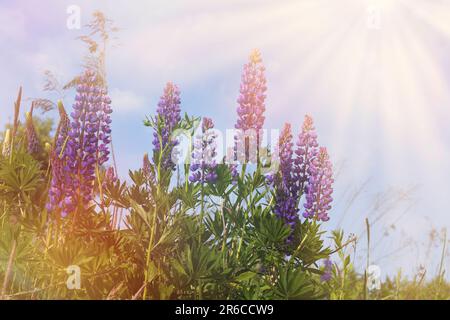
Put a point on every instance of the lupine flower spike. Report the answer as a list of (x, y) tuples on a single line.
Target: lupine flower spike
[(203, 166), (168, 113), (251, 105), (327, 271), (319, 189), (87, 145), (33, 143), (56, 154), (306, 151), (286, 196)]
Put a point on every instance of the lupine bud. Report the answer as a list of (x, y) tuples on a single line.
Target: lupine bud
[(147, 169), (6, 147), (110, 176), (63, 129), (33, 143), (47, 147)]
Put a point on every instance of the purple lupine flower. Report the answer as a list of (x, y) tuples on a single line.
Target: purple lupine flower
[(232, 165), (252, 95), (234, 173), (319, 188), (169, 116), (327, 271), (286, 196), (33, 144), (86, 146), (251, 106), (57, 188), (203, 166), (306, 151), (270, 178)]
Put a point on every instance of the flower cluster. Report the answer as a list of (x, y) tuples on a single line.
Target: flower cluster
[(168, 113), (252, 95), (203, 166), (319, 188), (306, 151), (56, 190), (327, 270), (251, 109), (309, 172), (85, 148), (286, 197)]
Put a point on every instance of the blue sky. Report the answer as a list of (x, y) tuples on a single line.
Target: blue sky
[(374, 74)]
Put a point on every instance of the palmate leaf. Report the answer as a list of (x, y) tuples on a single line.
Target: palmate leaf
[(245, 276), (294, 284), (19, 176), (214, 224), (269, 230), (222, 187), (195, 263), (312, 248)]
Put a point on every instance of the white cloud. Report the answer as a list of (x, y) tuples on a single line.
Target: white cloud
[(125, 100)]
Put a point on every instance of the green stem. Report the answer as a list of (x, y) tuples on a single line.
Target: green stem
[(152, 227)]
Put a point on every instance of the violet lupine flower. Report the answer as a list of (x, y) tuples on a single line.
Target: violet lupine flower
[(169, 116), (252, 95), (251, 105), (57, 184), (306, 151), (232, 165), (234, 173), (33, 144), (286, 196), (87, 144), (56, 190), (327, 271), (203, 166), (319, 189), (57, 187)]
